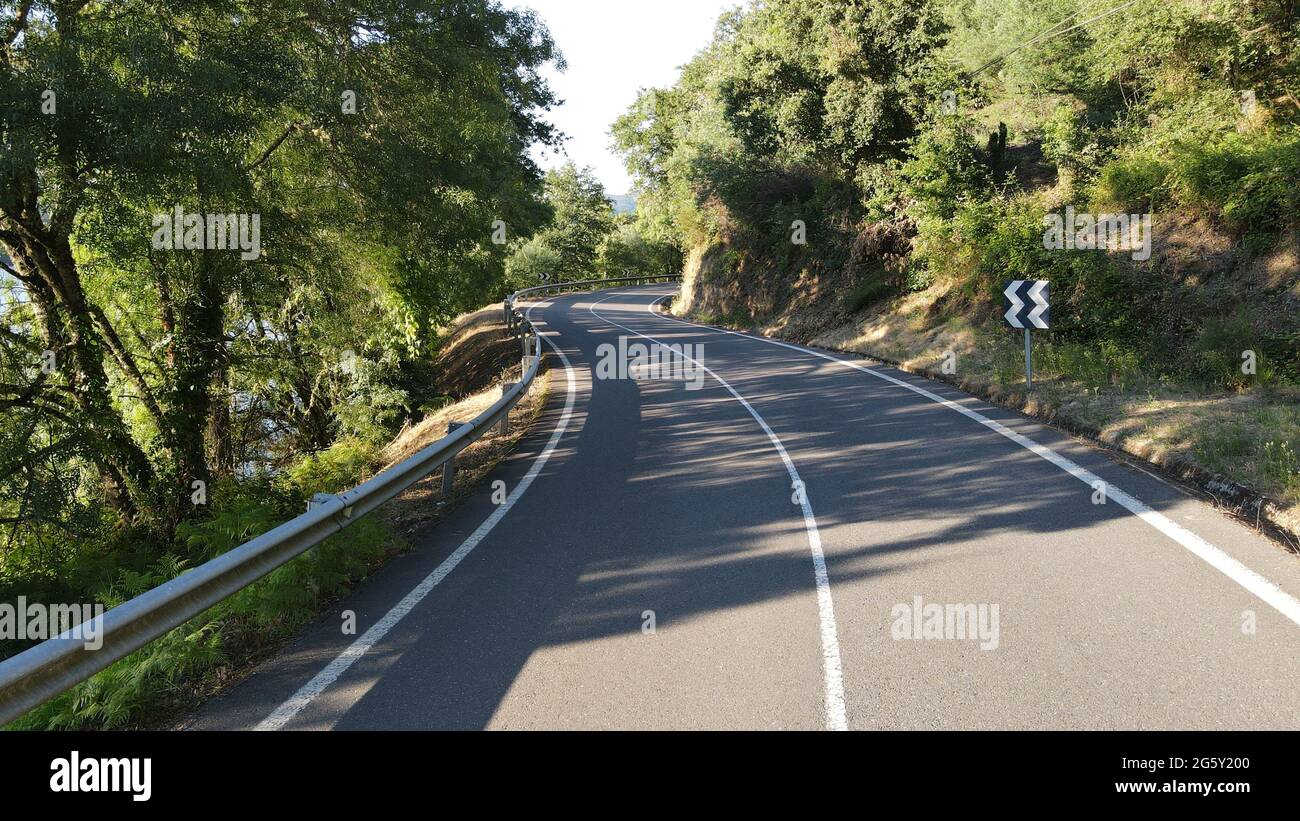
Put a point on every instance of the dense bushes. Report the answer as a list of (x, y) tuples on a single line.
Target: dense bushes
[(1136, 184), (1247, 181), (155, 679), (1133, 113), (584, 238), (1250, 179)]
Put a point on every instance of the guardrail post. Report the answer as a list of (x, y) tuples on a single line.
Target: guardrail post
[(449, 466), (503, 427), (322, 499)]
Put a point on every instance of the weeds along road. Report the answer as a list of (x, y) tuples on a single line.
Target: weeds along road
[(805, 543)]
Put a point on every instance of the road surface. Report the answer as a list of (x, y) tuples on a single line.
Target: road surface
[(759, 553)]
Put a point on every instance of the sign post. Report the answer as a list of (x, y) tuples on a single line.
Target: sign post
[(1027, 307), (1029, 360)]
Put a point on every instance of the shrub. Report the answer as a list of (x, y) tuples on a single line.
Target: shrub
[(1068, 141), (866, 294), (944, 170), (1216, 356), (149, 680), (1136, 184), (1250, 179), (332, 470)]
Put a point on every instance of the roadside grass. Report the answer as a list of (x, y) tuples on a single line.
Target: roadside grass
[(169, 674), (1250, 435), (422, 504)]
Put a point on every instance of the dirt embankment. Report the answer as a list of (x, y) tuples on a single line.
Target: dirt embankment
[(475, 353)]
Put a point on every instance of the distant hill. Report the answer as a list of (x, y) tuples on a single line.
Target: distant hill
[(623, 203)]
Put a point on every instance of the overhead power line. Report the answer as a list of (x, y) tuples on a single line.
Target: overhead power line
[(1053, 32)]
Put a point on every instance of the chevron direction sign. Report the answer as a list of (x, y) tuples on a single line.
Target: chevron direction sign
[(1026, 305)]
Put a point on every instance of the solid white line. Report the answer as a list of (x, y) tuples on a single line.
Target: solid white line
[(326, 677), (831, 666), (1276, 597)]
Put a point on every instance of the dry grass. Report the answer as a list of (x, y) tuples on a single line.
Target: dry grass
[(422, 503), (1252, 439), (413, 439), (475, 351)]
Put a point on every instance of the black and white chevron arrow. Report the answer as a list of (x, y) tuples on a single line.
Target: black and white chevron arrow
[(1026, 304)]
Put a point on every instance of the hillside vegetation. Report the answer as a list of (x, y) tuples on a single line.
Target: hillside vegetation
[(870, 177)]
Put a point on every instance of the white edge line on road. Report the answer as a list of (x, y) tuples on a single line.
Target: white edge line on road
[(1267, 591), (831, 665), (326, 677)]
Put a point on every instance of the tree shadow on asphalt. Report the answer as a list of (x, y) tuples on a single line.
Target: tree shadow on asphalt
[(676, 502)]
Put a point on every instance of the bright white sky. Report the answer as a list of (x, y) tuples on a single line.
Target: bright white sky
[(614, 48)]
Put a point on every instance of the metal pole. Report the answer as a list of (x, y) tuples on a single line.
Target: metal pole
[(1029, 360), (529, 351), (504, 427), (449, 467)]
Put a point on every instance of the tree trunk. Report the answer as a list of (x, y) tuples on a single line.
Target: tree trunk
[(68, 329)]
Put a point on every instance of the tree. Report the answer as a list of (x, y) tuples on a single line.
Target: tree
[(792, 109), (567, 247), (824, 82), (534, 261), (375, 143), (628, 251), (583, 218)]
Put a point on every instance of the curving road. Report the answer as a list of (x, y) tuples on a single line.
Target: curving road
[(769, 550)]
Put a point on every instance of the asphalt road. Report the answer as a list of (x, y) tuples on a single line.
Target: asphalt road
[(749, 555)]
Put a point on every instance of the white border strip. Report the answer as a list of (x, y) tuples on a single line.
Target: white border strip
[(326, 677), (831, 666), (1274, 596)]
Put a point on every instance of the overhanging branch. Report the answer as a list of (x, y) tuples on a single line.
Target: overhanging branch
[(271, 149)]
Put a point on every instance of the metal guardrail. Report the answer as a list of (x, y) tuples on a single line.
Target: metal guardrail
[(37, 675), (513, 316)]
